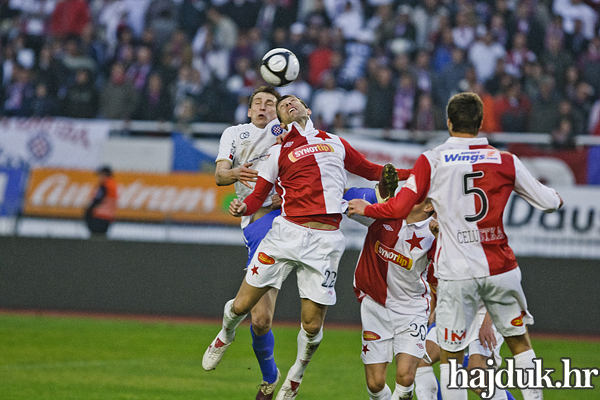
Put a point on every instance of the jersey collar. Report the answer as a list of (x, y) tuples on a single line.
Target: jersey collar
[(476, 141)]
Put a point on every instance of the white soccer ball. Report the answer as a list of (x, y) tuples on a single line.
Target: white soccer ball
[(279, 67)]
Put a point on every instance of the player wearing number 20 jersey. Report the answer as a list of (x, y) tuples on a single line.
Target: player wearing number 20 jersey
[(390, 281)]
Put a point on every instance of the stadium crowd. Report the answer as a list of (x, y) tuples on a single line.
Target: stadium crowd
[(364, 63)]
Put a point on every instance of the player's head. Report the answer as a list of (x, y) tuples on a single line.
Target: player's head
[(422, 211), (291, 108), (261, 106), (104, 172), (465, 114)]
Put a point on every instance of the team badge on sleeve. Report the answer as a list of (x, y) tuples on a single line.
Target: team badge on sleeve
[(276, 130)]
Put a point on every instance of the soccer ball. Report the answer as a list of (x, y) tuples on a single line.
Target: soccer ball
[(279, 67)]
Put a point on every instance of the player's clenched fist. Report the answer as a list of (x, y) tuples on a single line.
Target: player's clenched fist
[(237, 208), (357, 206)]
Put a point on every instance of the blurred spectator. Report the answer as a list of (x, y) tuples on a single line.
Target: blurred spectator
[(594, 120), (188, 85), (404, 33), (244, 13), (562, 135), (566, 111), (69, 18), (118, 99), (179, 48), (81, 99), (223, 29), (571, 80), (404, 102), (422, 72), (318, 16), (155, 103), (245, 77), (350, 20), (42, 104), (380, 99), (555, 60), (463, 33), (192, 14), (518, 55), (590, 64), (513, 109), (299, 88), (355, 104), (185, 115), (382, 23), (73, 60), (161, 17), (532, 76), (498, 30), (583, 99), (427, 116), (524, 22), (442, 55), (484, 55), (490, 121), (544, 107), (139, 71), (577, 42), (19, 94), (571, 10), (447, 82), (319, 60), (327, 102), (426, 19)]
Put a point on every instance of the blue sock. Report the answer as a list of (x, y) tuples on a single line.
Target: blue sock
[(439, 396), (361, 193), (263, 349), (465, 361), (509, 396)]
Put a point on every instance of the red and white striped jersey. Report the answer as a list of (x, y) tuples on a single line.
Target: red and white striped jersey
[(309, 170), (392, 267), (469, 183)]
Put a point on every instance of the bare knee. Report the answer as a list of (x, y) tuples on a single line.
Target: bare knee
[(261, 321), (376, 383), (312, 327), (405, 376), (239, 308)]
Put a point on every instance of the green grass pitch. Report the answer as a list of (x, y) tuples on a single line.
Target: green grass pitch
[(80, 358)]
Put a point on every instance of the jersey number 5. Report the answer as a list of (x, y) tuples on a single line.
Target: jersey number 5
[(467, 190)]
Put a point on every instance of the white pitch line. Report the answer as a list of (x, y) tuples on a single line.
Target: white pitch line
[(88, 364)]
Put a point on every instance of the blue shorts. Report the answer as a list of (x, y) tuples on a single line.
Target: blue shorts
[(256, 232)]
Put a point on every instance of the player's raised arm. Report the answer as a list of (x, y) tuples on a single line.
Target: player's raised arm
[(413, 192), (357, 164)]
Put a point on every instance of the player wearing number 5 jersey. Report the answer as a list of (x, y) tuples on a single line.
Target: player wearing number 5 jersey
[(390, 281), (469, 183)]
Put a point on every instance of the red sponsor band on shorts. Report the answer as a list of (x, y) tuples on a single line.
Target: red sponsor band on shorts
[(368, 335), (265, 259), (519, 320), (309, 150)]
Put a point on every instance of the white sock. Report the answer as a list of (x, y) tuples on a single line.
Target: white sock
[(307, 345), (426, 386), (230, 323), (525, 360), (500, 394), (450, 394), (385, 394), (403, 392)]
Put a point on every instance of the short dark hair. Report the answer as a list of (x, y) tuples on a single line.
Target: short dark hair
[(286, 97), (105, 170), (465, 112), (265, 89)]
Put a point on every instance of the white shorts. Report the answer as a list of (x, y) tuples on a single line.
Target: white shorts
[(458, 301), (386, 333), (316, 254), (476, 347)]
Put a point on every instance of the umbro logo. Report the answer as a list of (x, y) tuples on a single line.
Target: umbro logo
[(288, 144), (388, 228)]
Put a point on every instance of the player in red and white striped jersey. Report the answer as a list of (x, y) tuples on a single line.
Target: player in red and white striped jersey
[(390, 281), (469, 183), (308, 168)]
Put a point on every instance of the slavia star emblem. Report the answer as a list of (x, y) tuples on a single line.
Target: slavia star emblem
[(415, 242)]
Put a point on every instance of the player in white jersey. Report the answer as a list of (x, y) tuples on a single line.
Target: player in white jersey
[(390, 282), (469, 183), (241, 151), (308, 167)]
